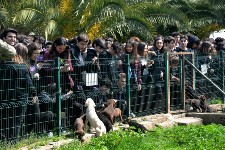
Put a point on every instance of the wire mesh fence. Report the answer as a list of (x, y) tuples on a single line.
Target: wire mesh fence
[(100, 81), (208, 79)]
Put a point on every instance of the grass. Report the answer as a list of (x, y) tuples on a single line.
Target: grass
[(180, 138), (205, 137), (31, 142)]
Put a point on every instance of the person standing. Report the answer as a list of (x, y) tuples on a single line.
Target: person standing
[(77, 52), (16, 84)]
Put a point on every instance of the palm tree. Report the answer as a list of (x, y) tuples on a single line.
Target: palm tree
[(68, 18), (208, 16), (203, 16), (109, 18), (37, 16), (116, 18)]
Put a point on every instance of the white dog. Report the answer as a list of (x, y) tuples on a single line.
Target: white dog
[(93, 119)]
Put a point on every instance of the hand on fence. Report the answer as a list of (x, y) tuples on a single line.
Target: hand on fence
[(161, 75), (150, 63), (94, 60), (139, 87), (34, 99), (175, 79), (39, 65), (65, 68), (36, 76)]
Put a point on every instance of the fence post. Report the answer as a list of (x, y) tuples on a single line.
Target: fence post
[(58, 93), (193, 74), (127, 65), (222, 69), (167, 82), (182, 86)]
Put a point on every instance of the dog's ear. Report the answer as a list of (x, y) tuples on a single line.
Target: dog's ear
[(87, 102)]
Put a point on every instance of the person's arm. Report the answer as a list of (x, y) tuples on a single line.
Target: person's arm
[(138, 73)]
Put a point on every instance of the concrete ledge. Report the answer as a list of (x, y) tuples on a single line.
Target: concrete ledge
[(188, 121), (179, 116), (167, 124), (157, 118), (209, 118), (148, 124), (218, 107)]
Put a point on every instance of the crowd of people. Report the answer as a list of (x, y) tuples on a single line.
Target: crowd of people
[(96, 66)]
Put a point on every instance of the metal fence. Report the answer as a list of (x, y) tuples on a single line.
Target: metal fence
[(58, 106)]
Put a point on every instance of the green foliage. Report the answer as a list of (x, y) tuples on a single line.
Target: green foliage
[(181, 138), (116, 18), (216, 101), (205, 137)]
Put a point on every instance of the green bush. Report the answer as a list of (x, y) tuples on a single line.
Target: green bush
[(182, 137), (216, 101)]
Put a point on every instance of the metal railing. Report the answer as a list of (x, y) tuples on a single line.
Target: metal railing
[(57, 109)]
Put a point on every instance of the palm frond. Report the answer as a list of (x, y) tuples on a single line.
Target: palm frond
[(26, 16)]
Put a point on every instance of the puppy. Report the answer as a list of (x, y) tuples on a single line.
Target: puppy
[(79, 127), (106, 121), (77, 111), (195, 103), (109, 110), (117, 113), (93, 119), (204, 105), (135, 126)]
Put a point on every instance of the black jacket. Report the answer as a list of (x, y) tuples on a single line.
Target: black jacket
[(15, 80)]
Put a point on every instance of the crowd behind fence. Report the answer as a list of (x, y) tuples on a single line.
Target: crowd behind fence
[(60, 93)]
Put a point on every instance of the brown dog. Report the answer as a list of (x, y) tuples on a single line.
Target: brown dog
[(195, 103), (79, 127), (109, 110), (204, 105), (117, 113)]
